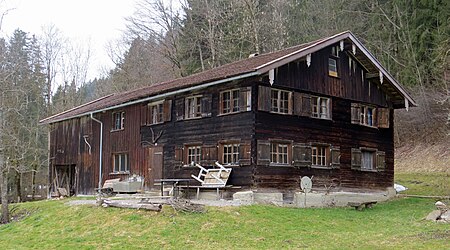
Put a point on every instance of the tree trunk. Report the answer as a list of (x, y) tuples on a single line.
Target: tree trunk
[(4, 192)]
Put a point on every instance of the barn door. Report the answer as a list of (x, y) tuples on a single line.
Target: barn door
[(155, 164)]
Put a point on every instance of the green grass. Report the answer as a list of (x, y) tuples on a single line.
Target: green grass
[(397, 224), (432, 184)]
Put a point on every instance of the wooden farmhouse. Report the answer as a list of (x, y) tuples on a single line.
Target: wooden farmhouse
[(323, 109)]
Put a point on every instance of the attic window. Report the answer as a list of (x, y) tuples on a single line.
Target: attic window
[(335, 51), (332, 61)]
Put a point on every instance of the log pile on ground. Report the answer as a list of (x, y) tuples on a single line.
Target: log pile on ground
[(179, 205), (442, 214), (132, 205)]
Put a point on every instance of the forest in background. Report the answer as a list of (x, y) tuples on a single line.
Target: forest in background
[(43, 74)]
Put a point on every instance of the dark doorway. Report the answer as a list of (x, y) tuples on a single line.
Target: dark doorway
[(65, 177), (155, 164)]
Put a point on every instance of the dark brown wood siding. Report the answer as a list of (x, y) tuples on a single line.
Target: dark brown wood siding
[(297, 75), (206, 131), (338, 132)]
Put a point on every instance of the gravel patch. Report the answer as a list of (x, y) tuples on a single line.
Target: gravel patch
[(81, 202)]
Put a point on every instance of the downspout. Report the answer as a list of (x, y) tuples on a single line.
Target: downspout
[(100, 153)]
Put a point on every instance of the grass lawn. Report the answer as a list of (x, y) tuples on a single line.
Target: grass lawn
[(397, 224), (432, 184)]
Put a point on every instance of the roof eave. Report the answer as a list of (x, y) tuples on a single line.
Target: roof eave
[(150, 98)]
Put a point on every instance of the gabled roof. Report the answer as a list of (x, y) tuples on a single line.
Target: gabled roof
[(253, 66)]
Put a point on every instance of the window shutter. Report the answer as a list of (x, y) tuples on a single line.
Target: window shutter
[(167, 109), (179, 106), (150, 115), (383, 117), (206, 105), (144, 111), (263, 148), (209, 155), (290, 104), (335, 153), (297, 103), (264, 98), (178, 159), (356, 158), (301, 155), (381, 160), (245, 100), (356, 113), (245, 149), (302, 104), (220, 153), (330, 108)]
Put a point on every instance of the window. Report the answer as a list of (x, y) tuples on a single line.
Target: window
[(279, 153), (229, 101), (367, 160), (230, 154), (193, 154), (118, 120), (335, 51), (193, 107), (332, 67), (319, 156), (320, 107), (367, 116), (121, 163), (156, 113), (332, 61), (280, 101), (351, 66)]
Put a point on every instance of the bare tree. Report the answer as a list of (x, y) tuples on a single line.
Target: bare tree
[(52, 43), (158, 22)]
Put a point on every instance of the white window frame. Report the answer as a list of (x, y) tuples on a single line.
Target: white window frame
[(118, 120), (193, 154), (193, 107), (158, 116), (368, 160), (279, 153), (367, 116), (277, 102), (232, 103), (332, 67), (320, 107), (120, 168), (319, 155), (230, 154)]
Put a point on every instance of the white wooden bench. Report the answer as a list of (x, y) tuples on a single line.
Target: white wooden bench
[(214, 178)]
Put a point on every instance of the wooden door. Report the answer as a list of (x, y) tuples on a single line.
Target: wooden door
[(155, 164)]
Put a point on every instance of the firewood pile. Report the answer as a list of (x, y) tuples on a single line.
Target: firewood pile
[(185, 206), (179, 205)]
